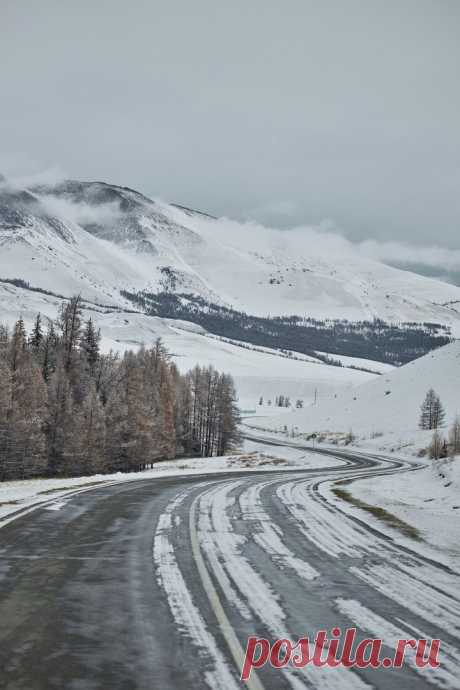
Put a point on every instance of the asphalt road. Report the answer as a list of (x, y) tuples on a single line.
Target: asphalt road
[(157, 584)]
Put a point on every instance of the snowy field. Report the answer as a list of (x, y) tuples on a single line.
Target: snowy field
[(384, 411), (427, 499)]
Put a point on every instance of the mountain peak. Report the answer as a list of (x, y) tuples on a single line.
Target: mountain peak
[(100, 239)]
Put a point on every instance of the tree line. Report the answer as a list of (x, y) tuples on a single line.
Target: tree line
[(66, 408), (377, 340), (281, 401)]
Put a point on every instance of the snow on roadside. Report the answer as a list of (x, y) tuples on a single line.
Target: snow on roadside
[(382, 417), (428, 499), (23, 494)]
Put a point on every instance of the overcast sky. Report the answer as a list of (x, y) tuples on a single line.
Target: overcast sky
[(289, 112)]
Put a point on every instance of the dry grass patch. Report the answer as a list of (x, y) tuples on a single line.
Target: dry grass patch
[(380, 513), (256, 460)]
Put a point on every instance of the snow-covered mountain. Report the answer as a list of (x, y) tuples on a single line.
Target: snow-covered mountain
[(95, 239), (103, 242)]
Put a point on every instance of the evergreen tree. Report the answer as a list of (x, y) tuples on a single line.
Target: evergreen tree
[(431, 412), (18, 344), (36, 336), (70, 327), (439, 414), (48, 353), (89, 344)]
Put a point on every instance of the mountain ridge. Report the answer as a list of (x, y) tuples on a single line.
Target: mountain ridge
[(108, 241)]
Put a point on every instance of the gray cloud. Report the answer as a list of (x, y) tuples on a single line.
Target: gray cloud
[(20, 171), (435, 261), (394, 252), (286, 113), (81, 213)]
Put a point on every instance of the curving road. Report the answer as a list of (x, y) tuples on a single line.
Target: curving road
[(159, 583)]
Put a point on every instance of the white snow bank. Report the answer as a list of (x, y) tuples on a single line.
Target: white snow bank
[(428, 499)]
